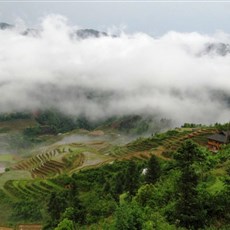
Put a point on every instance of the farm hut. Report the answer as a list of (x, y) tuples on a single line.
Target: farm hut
[(216, 140)]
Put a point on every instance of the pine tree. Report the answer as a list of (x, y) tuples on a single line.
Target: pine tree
[(188, 209), (132, 178), (153, 170), (75, 203), (118, 186), (56, 206)]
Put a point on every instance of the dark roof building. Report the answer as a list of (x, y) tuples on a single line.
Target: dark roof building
[(218, 139), (222, 137)]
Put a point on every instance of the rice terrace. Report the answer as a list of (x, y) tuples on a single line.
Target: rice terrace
[(46, 164)]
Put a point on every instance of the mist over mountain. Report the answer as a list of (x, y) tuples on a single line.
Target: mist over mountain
[(89, 33), (78, 33), (4, 26), (180, 76), (221, 49)]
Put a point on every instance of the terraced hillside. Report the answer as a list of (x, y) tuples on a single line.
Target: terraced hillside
[(75, 156), (30, 188), (59, 159), (42, 164), (144, 148), (38, 172)]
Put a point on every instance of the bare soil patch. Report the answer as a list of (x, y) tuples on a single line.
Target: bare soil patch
[(97, 133), (29, 227)]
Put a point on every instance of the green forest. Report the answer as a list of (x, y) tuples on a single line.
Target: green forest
[(168, 180)]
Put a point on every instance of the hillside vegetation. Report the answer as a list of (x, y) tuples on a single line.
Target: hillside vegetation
[(68, 173)]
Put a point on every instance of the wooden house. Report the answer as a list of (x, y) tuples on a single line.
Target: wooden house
[(216, 140)]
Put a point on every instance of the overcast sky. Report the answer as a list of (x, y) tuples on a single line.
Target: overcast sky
[(154, 18)]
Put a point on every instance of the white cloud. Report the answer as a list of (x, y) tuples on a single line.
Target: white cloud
[(171, 75)]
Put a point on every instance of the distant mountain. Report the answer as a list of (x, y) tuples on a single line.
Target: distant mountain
[(218, 48), (221, 49), (31, 32), (90, 33), (82, 33), (4, 26)]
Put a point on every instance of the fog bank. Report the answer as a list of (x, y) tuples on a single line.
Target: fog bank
[(181, 76)]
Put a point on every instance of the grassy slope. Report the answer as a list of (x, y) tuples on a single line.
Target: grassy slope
[(17, 125), (13, 175)]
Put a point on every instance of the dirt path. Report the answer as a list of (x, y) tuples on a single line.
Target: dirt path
[(5, 228), (158, 152), (29, 227), (93, 160), (2, 169), (145, 154)]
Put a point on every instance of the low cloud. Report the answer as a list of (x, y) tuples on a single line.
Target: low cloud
[(181, 76)]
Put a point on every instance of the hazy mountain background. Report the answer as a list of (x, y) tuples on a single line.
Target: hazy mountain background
[(179, 76)]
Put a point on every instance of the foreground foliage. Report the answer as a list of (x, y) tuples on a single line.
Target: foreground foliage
[(190, 191)]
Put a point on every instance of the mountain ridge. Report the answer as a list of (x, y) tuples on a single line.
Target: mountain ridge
[(80, 33)]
